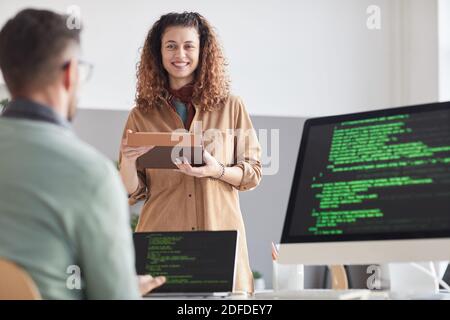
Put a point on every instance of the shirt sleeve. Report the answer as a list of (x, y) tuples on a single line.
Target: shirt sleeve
[(105, 245), (141, 192), (247, 149)]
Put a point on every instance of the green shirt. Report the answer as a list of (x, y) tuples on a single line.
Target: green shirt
[(62, 205), (181, 110)]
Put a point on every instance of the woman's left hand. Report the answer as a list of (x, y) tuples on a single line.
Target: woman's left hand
[(211, 168)]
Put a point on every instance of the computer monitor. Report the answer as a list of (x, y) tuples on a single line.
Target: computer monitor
[(371, 187)]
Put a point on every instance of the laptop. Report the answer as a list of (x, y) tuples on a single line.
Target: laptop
[(195, 263)]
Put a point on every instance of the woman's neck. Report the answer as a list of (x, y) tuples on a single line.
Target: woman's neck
[(176, 84)]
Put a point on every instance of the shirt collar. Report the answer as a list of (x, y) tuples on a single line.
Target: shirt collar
[(30, 110)]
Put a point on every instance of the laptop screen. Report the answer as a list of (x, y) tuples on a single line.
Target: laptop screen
[(193, 261)]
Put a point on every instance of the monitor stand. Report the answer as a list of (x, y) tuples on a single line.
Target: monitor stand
[(408, 281)]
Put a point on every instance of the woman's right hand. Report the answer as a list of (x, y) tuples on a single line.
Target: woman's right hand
[(130, 154), (128, 171)]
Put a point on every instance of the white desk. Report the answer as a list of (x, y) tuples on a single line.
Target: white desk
[(312, 294)]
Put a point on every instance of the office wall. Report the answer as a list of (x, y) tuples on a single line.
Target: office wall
[(444, 50), (308, 57), (417, 52)]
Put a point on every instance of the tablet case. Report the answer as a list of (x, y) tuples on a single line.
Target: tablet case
[(167, 145)]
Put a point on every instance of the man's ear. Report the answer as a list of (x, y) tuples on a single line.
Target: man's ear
[(69, 75)]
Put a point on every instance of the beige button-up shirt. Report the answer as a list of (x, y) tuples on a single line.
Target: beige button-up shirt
[(175, 201)]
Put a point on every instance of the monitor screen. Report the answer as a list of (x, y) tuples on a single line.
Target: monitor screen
[(197, 261), (372, 176)]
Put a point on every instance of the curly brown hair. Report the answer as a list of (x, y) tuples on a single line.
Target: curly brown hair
[(211, 87)]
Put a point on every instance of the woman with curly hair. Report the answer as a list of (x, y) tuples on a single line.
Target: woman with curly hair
[(182, 84)]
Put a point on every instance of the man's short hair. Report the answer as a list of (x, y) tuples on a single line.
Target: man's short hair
[(31, 48)]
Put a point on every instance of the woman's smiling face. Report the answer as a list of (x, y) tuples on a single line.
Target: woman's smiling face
[(180, 50)]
